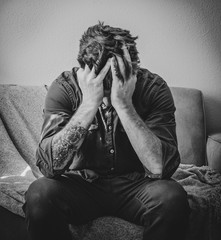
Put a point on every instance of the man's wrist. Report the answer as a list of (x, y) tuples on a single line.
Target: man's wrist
[(89, 106), (124, 106), (87, 112)]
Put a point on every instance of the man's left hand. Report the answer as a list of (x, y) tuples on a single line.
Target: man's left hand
[(124, 81)]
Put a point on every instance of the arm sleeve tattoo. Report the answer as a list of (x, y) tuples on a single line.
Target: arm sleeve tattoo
[(65, 143)]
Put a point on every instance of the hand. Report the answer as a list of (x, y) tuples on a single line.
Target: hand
[(92, 85), (124, 81)]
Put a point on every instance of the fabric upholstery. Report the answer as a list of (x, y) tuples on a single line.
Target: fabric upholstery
[(20, 110), (190, 121), (11, 162), (214, 151)]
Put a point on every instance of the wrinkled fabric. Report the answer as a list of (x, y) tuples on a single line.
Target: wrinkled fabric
[(106, 149)]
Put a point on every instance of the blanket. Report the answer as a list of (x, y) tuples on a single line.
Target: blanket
[(203, 186)]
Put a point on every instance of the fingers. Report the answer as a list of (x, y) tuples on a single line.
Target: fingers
[(92, 73), (113, 66), (115, 70), (87, 69), (127, 55), (121, 66), (104, 70), (124, 64), (80, 74)]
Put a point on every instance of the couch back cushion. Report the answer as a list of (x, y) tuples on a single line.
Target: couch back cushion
[(190, 119), (21, 109)]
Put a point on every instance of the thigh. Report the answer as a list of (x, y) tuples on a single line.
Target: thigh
[(77, 200), (145, 198)]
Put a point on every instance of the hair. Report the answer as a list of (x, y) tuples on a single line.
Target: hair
[(100, 42)]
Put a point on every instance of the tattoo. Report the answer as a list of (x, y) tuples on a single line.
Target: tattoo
[(65, 143)]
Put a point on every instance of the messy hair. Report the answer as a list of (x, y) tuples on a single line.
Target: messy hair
[(101, 41)]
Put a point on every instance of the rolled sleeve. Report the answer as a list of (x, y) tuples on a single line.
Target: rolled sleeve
[(57, 113), (53, 123)]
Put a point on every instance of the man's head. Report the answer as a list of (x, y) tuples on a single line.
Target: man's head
[(101, 42)]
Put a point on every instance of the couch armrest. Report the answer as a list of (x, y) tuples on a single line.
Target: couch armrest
[(214, 151)]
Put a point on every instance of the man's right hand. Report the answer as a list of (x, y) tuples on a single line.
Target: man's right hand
[(92, 85)]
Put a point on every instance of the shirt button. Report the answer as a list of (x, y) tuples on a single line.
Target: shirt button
[(112, 169), (109, 127), (112, 150)]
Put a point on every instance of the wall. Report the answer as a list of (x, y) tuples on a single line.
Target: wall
[(178, 39)]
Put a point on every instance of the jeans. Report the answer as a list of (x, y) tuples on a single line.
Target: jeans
[(161, 206)]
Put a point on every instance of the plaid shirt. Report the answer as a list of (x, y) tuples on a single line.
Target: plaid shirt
[(106, 149)]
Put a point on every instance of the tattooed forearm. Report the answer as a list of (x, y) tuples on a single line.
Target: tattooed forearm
[(65, 143)]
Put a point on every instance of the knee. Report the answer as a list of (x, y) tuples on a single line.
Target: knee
[(38, 197), (173, 198), (39, 191)]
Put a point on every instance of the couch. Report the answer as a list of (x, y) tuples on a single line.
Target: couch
[(199, 172)]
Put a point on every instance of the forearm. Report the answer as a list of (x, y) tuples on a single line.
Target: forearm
[(145, 143), (66, 142)]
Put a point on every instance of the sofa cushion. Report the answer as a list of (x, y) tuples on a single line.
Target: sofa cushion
[(11, 162), (213, 150), (190, 120), (20, 111)]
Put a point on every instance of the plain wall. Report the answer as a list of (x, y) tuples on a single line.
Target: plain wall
[(178, 39)]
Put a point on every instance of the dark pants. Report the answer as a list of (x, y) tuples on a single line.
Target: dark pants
[(161, 206)]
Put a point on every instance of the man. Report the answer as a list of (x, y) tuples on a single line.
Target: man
[(108, 145)]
